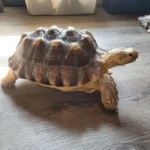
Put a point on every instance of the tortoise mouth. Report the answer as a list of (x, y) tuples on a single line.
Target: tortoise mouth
[(134, 59), (134, 56)]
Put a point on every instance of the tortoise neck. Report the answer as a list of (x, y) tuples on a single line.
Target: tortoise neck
[(108, 62)]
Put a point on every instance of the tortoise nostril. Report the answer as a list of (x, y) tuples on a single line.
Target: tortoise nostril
[(137, 54)]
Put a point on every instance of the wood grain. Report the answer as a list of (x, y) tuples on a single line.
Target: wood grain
[(34, 117)]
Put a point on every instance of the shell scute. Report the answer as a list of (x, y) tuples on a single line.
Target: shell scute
[(54, 76), (93, 70), (55, 54), (40, 73), (83, 78), (70, 34), (39, 32), (52, 33), (88, 45), (76, 57), (69, 76), (29, 66), (37, 50), (24, 48), (21, 70)]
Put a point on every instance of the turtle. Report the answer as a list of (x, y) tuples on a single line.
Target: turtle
[(67, 59)]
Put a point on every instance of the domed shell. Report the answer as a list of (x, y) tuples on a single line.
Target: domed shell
[(57, 56)]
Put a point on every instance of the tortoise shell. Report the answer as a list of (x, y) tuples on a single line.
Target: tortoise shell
[(57, 56)]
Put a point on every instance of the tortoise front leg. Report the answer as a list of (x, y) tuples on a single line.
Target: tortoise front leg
[(9, 80), (109, 92)]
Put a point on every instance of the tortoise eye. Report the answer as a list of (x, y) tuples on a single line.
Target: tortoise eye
[(130, 54)]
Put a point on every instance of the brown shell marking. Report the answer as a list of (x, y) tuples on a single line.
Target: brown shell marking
[(69, 76), (76, 57), (83, 77), (29, 66), (39, 32), (24, 48), (88, 33), (16, 59), (54, 76), (13, 62), (21, 69), (93, 70), (56, 56), (70, 34), (52, 32), (88, 45), (40, 73), (37, 50)]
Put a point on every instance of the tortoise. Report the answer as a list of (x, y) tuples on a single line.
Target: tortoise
[(67, 59)]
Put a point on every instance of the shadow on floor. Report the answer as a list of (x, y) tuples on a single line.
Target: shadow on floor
[(74, 111)]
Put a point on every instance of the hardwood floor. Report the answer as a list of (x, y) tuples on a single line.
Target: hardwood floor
[(33, 117)]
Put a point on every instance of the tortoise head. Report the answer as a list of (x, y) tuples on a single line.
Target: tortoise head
[(119, 56)]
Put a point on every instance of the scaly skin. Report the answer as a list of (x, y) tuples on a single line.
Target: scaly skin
[(9, 80), (109, 92)]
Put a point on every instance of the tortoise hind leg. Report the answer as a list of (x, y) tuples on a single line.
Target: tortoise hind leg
[(9, 80), (109, 92)]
